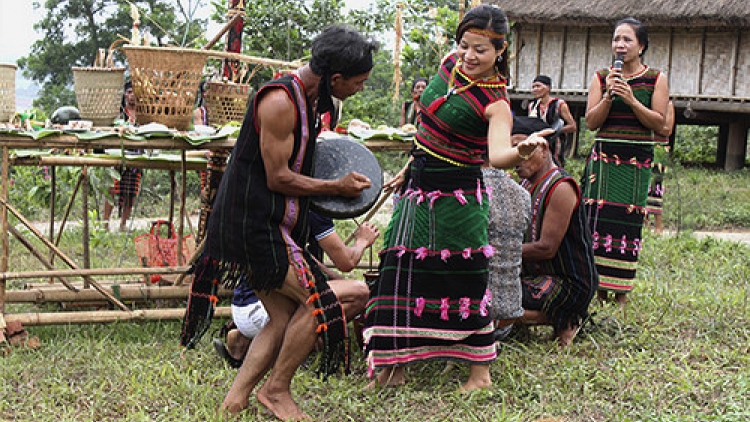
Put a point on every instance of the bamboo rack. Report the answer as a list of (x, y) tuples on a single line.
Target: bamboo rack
[(87, 272), (89, 317), (126, 292), (105, 162)]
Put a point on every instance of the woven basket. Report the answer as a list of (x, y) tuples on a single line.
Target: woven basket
[(226, 101), (99, 93), (165, 83), (7, 91)]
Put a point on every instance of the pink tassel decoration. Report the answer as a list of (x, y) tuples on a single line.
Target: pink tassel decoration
[(637, 246), (459, 194), (463, 307), (486, 301), (434, 195), (419, 308), (419, 195), (444, 309), (488, 251)]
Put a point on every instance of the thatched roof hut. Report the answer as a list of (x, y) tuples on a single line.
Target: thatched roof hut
[(667, 13), (703, 48)]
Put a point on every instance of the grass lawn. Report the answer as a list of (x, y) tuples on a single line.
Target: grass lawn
[(679, 351)]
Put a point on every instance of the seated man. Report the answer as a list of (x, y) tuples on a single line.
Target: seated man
[(558, 275), (248, 313)]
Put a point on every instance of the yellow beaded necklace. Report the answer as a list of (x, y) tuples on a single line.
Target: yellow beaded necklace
[(492, 82)]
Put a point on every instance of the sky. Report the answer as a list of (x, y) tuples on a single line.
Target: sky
[(17, 18)]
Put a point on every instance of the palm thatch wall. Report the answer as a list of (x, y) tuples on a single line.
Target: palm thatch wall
[(668, 13), (704, 48)]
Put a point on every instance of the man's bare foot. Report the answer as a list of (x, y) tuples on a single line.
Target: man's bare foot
[(565, 337), (389, 377), (233, 407), (281, 404)]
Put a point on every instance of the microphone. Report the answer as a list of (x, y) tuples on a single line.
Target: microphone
[(619, 60), (617, 64)]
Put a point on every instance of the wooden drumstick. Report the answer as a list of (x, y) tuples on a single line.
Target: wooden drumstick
[(385, 195)]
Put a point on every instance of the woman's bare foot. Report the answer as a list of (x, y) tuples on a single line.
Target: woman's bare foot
[(389, 377), (621, 298), (602, 295), (281, 404), (479, 378)]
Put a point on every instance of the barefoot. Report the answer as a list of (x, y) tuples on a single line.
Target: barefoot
[(234, 405), (479, 378), (281, 404), (602, 295), (621, 298), (390, 377), (476, 384), (565, 337)]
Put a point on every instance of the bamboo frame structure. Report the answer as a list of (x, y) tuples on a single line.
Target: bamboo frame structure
[(127, 292), (71, 292), (88, 317)]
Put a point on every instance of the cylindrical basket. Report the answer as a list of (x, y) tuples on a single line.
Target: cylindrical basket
[(99, 93), (7, 91), (165, 83), (226, 101)]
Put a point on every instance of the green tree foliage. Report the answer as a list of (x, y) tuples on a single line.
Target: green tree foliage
[(73, 31), (374, 105), (695, 144), (428, 34)]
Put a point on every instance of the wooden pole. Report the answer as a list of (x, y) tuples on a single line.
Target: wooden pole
[(46, 262), (89, 317), (191, 261), (81, 272), (133, 292), (223, 31), (113, 141), (85, 219), (181, 224), (254, 60), (385, 195), (60, 253), (4, 240), (172, 187), (68, 209), (70, 161), (235, 9), (53, 195)]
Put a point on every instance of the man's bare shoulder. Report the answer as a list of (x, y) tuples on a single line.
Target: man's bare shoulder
[(274, 103)]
